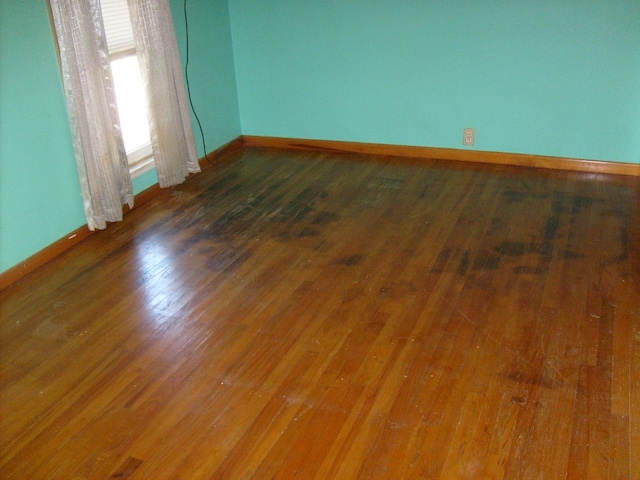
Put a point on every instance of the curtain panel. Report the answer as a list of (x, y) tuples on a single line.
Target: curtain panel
[(170, 126), (103, 169)]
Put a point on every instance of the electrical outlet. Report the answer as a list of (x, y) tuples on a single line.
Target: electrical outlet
[(469, 136)]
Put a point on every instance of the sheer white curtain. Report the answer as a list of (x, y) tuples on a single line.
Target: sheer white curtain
[(105, 182), (169, 119), (100, 154)]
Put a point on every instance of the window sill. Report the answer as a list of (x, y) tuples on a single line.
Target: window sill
[(141, 166)]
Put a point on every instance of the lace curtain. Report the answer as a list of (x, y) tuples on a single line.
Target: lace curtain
[(105, 182), (100, 154), (169, 119)]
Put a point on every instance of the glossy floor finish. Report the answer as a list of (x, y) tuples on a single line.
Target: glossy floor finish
[(316, 315)]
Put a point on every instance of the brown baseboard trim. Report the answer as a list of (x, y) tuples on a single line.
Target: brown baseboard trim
[(24, 268), (222, 154), (57, 248), (454, 154)]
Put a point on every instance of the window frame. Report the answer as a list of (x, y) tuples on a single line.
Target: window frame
[(140, 160)]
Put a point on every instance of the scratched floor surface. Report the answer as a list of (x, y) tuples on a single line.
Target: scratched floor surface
[(317, 315)]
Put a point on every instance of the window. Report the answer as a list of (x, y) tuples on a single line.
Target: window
[(131, 96), (105, 164)]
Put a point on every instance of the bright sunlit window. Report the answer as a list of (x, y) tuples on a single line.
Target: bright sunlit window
[(130, 93), (132, 110)]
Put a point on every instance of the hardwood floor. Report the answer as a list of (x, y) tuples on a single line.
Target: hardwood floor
[(319, 315)]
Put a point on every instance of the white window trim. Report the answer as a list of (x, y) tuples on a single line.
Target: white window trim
[(141, 160)]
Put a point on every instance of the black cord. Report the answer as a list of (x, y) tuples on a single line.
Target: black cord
[(186, 75)]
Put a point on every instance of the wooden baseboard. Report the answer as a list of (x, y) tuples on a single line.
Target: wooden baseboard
[(57, 248), (24, 268), (222, 154), (454, 154)]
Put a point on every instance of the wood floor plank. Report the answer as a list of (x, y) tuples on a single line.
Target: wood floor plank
[(296, 314)]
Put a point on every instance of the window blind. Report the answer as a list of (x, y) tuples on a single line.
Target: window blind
[(117, 25)]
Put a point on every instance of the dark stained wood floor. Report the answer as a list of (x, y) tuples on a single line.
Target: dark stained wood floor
[(316, 315)]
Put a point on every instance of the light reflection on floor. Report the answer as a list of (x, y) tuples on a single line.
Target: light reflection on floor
[(164, 287)]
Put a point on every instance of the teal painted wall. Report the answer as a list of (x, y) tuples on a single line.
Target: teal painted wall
[(211, 69), (39, 193), (551, 77), (539, 77)]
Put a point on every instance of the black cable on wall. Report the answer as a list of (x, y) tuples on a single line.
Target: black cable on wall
[(186, 75)]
